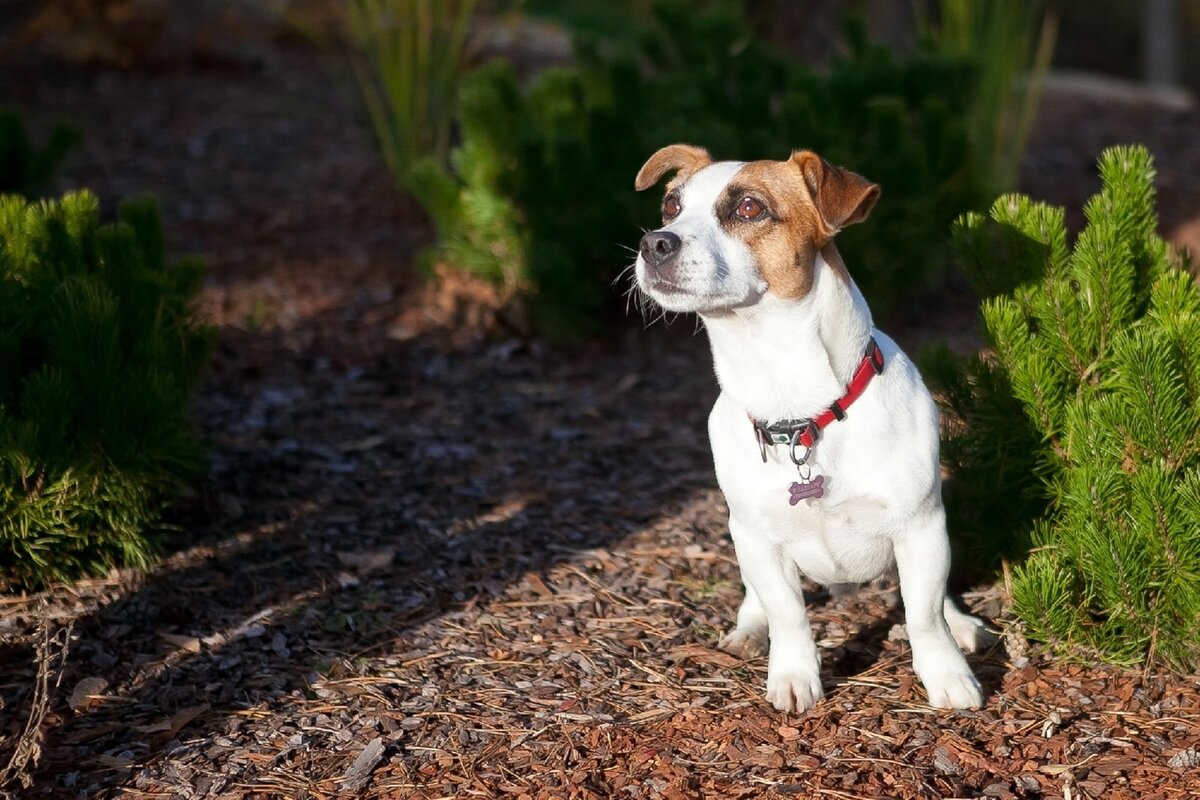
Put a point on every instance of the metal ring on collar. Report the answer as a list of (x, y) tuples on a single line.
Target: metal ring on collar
[(798, 460), (761, 438)]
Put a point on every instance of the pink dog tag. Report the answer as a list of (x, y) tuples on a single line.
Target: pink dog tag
[(813, 489)]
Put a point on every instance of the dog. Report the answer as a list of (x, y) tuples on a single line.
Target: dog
[(824, 436)]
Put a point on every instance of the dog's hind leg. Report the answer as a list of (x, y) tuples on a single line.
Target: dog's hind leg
[(749, 638), (969, 632)]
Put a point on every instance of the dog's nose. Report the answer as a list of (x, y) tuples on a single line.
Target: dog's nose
[(658, 247)]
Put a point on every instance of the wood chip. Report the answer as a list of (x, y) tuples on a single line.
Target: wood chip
[(359, 774), (87, 693)]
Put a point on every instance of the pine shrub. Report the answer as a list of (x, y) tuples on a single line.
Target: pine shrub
[(99, 354), (1081, 430), (538, 198), (25, 167)]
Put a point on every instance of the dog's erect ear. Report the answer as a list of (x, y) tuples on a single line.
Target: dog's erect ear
[(682, 158), (842, 197)]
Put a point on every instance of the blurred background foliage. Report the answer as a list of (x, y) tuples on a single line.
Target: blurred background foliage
[(413, 54), (1011, 45), (536, 195)]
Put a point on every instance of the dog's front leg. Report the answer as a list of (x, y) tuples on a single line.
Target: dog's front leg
[(793, 664), (923, 558)]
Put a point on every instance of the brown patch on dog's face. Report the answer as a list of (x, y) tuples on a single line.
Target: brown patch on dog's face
[(784, 232), (788, 211)]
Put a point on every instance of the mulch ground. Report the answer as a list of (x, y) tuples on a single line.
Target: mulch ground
[(424, 568)]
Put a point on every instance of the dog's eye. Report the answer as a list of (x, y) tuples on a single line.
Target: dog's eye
[(750, 209), (671, 206)]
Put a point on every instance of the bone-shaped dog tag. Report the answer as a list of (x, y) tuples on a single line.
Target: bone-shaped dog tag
[(813, 489)]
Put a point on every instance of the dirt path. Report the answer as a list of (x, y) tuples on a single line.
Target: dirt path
[(421, 570)]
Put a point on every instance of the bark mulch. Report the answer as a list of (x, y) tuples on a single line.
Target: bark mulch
[(427, 569), (502, 573)]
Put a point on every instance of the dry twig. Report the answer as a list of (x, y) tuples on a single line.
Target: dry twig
[(50, 655)]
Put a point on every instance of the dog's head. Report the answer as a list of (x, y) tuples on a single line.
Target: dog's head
[(733, 231)]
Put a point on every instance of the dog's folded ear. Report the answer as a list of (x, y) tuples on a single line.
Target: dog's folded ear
[(682, 158), (841, 197)]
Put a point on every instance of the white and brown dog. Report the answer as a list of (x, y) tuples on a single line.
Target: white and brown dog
[(824, 437)]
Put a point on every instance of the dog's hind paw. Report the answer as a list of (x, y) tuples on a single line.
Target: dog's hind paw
[(954, 690), (970, 634), (744, 642), (794, 691)]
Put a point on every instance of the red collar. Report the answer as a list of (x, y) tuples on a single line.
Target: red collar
[(805, 432)]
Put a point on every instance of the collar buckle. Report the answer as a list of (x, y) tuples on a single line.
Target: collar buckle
[(797, 434)]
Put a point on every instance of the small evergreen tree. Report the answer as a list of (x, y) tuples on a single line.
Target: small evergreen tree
[(1082, 429), (99, 353)]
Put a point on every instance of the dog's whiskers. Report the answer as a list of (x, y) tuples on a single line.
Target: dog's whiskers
[(634, 294), (623, 274)]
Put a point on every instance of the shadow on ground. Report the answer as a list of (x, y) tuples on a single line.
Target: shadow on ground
[(349, 504)]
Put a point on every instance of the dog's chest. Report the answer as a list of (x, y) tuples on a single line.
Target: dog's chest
[(842, 536)]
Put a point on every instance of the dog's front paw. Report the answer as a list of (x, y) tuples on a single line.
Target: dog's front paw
[(794, 691), (744, 642), (954, 689)]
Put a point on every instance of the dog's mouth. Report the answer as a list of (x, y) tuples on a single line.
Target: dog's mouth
[(674, 284), (666, 288), (681, 300), (674, 296)]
